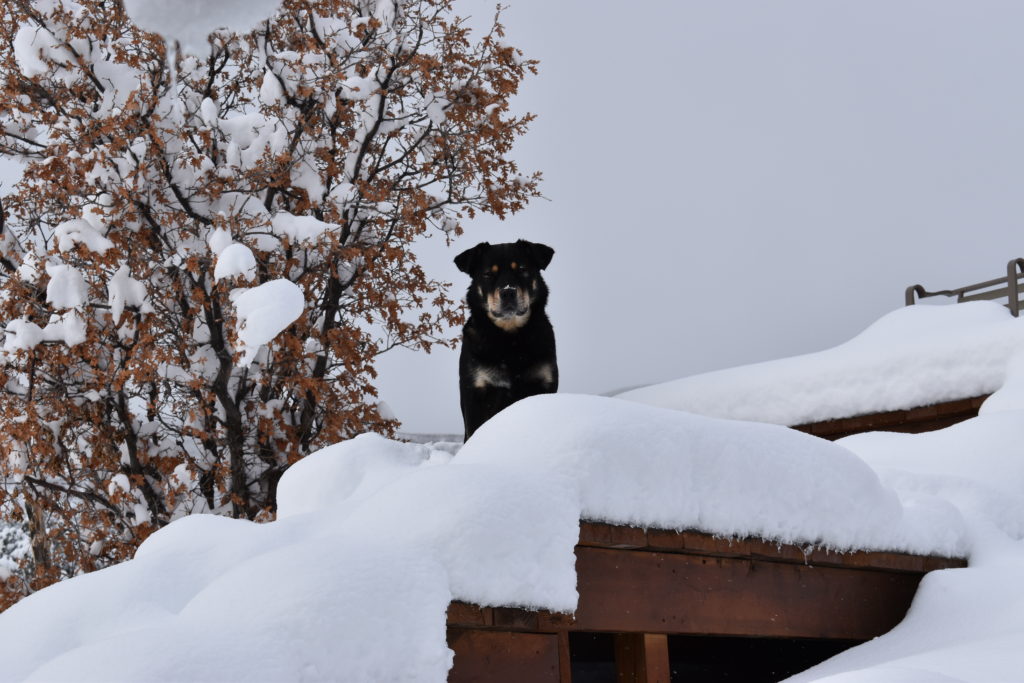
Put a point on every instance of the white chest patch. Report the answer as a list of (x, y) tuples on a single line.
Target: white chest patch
[(544, 373), (484, 377)]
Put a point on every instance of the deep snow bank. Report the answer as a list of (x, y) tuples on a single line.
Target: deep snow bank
[(376, 537), (914, 356)]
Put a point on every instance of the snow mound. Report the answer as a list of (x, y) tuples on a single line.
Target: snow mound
[(914, 356)]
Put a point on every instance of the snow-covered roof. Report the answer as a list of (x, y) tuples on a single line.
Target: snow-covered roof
[(376, 536), (914, 356)]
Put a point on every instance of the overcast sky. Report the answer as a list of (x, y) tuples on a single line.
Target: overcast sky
[(732, 182)]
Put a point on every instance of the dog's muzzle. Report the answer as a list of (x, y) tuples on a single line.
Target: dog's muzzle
[(509, 298), (508, 302)]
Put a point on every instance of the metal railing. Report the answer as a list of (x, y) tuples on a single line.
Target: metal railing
[(1010, 287)]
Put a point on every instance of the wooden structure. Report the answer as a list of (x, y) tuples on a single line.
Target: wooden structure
[(1010, 288), (641, 589), (912, 420), (663, 606)]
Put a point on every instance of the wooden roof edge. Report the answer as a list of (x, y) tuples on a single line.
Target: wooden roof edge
[(604, 535), (931, 416)]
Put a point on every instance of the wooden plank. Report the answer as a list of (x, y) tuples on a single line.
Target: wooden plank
[(648, 592), (914, 420), (503, 657), (642, 658)]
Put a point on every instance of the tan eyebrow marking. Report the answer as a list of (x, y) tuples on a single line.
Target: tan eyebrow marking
[(494, 268), (514, 265)]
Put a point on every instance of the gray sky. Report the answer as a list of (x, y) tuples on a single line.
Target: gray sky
[(732, 182)]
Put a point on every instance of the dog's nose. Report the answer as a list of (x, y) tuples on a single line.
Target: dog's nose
[(508, 296)]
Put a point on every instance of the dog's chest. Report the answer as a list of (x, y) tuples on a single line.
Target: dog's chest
[(498, 376), (506, 376)]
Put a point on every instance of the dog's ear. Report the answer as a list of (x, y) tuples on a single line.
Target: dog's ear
[(542, 253), (467, 260)]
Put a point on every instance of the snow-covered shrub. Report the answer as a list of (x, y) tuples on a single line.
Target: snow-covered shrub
[(207, 251)]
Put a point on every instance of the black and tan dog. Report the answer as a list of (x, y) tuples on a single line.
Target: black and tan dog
[(508, 346)]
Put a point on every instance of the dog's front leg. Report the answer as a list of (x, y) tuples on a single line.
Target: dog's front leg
[(539, 379), (481, 404)]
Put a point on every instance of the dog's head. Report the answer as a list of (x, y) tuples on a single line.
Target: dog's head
[(507, 286)]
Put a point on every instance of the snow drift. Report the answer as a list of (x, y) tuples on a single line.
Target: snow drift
[(914, 356), (964, 624)]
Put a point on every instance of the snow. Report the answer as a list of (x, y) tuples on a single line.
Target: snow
[(189, 22), (124, 290), (252, 135), (653, 467), (67, 327), (21, 334), (271, 93), (1011, 394), (299, 229), (208, 112), (310, 594), (66, 288), (218, 240), (80, 231), (235, 260), (359, 88), (914, 356), (964, 624), (33, 45), (30, 43), (263, 312), (376, 536)]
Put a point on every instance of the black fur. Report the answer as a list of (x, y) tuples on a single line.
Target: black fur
[(506, 354)]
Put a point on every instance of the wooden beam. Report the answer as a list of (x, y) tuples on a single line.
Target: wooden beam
[(564, 658), (642, 658), (647, 592)]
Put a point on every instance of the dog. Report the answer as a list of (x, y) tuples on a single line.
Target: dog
[(508, 344)]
